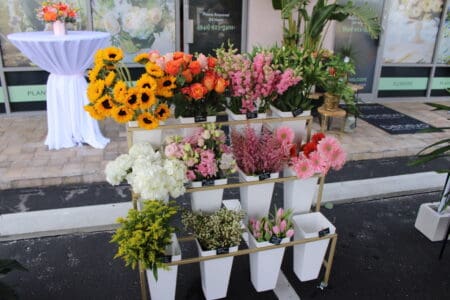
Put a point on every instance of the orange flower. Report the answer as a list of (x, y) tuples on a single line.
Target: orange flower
[(187, 75), (195, 67), (187, 58), (211, 62), (173, 67), (49, 16), (197, 91), (209, 81), (221, 85), (178, 55)]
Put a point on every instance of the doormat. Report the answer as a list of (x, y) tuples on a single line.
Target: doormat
[(391, 121)]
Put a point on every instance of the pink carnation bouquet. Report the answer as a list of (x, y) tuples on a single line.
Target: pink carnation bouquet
[(274, 228), (204, 152), (267, 152), (319, 155)]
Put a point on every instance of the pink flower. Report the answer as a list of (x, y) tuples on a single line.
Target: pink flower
[(276, 229), (326, 146), (283, 225), (203, 60), (318, 163), (337, 158), (173, 151), (280, 213), (290, 233), (303, 167), (285, 135), (190, 175)]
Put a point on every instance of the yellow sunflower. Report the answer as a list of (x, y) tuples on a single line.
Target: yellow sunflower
[(120, 91), (166, 85), (148, 98), (162, 112), (122, 114), (95, 89), (147, 121), (141, 58), (93, 112), (146, 82), (95, 72), (132, 98), (153, 69), (104, 106), (112, 54), (98, 57), (109, 79)]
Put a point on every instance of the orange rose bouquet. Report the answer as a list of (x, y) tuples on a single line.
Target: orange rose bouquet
[(200, 90), (57, 11)]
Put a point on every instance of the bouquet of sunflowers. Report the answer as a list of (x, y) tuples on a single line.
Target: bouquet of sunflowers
[(112, 93)]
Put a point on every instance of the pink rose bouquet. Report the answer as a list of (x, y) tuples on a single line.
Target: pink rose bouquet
[(205, 153), (319, 155), (274, 228)]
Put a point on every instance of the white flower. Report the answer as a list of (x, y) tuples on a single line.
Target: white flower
[(227, 162), (136, 21), (206, 134), (155, 15), (117, 170), (111, 23), (142, 149)]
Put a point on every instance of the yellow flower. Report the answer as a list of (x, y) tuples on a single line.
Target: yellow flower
[(98, 57), (95, 72), (147, 121), (166, 85), (122, 114), (95, 89), (148, 98), (153, 69), (93, 112), (132, 98), (104, 106), (120, 91), (141, 58), (162, 112), (109, 79), (112, 54), (146, 82)]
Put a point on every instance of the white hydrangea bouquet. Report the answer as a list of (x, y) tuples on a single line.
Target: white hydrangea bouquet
[(149, 174)]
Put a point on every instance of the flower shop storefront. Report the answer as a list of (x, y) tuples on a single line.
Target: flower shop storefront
[(397, 66)]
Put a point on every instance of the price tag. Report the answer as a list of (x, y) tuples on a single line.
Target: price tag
[(222, 251), (275, 240), (199, 119), (297, 112), (167, 259), (252, 115), (264, 176), (324, 232), (207, 182)]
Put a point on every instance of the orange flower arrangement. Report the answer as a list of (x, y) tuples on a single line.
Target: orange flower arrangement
[(199, 89), (57, 11)]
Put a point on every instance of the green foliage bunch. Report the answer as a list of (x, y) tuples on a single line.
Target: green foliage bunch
[(221, 229), (144, 235)]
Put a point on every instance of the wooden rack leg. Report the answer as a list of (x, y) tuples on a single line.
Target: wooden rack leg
[(320, 193), (143, 282), (329, 263)]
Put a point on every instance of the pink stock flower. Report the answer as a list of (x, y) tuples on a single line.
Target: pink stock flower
[(290, 233)]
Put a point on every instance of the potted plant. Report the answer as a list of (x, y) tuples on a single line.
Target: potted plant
[(112, 93), (215, 234), (265, 265), (260, 157), (146, 237), (307, 27), (433, 219), (336, 83), (58, 14), (150, 175), (209, 161), (315, 157)]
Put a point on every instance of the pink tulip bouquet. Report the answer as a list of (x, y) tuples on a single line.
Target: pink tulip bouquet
[(274, 228), (267, 152), (319, 155), (204, 152)]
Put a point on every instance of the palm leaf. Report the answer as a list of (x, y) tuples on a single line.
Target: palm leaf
[(438, 106), (444, 141), (366, 15)]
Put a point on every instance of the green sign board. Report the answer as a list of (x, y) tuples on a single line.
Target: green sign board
[(27, 93), (402, 83), (440, 83), (2, 98)]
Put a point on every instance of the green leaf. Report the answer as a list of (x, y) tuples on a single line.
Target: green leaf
[(329, 205)]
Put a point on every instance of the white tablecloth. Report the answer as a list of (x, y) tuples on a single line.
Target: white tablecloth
[(66, 58)]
